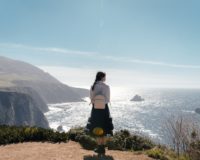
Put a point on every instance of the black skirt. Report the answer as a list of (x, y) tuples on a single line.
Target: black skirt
[(100, 118)]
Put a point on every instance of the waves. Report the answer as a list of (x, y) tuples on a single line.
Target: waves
[(147, 117)]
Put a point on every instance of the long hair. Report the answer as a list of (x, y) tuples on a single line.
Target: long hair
[(99, 77)]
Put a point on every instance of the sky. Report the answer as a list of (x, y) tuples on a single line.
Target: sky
[(149, 43)]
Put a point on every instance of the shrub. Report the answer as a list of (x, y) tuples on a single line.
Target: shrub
[(157, 153), (75, 132), (123, 140), (87, 142), (78, 135), (13, 134), (184, 135), (194, 152), (163, 153)]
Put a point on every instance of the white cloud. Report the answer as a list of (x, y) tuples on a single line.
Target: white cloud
[(130, 60), (47, 49)]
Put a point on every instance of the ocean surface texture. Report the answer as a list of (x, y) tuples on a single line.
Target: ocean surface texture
[(148, 117)]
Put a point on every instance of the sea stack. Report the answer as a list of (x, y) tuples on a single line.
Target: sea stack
[(137, 98), (197, 110)]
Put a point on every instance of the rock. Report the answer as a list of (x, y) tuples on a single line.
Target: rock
[(39, 102), (20, 109), (137, 98), (197, 110)]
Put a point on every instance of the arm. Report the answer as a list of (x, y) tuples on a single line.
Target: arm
[(91, 95), (108, 94)]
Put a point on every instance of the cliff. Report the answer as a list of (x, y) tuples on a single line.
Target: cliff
[(39, 102), (20, 109)]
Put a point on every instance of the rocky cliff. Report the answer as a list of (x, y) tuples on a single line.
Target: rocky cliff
[(20, 109), (39, 102)]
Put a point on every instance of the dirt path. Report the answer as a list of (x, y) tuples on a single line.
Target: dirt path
[(63, 151)]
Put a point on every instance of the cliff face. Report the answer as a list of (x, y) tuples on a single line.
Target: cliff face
[(20, 109), (39, 102)]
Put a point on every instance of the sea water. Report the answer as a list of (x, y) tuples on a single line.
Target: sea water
[(148, 117)]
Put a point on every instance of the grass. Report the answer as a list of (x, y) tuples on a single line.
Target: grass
[(13, 134)]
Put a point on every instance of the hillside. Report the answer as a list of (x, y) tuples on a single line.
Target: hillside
[(62, 151), (15, 73)]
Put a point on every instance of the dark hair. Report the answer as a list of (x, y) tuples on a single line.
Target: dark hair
[(99, 77)]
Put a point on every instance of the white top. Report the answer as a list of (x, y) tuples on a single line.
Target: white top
[(100, 88)]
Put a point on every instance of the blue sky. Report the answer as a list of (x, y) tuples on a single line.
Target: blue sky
[(159, 39)]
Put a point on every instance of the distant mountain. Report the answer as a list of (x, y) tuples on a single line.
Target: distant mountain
[(20, 109), (19, 74)]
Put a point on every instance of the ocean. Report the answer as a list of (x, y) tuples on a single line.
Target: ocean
[(148, 117)]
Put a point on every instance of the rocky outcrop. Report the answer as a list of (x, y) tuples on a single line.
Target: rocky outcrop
[(39, 102), (197, 110), (20, 109), (137, 98)]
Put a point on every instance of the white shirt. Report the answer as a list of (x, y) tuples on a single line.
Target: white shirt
[(100, 88)]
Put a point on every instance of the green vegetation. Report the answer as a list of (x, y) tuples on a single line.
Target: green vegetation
[(77, 134), (13, 134), (163, 153), (122, 140)]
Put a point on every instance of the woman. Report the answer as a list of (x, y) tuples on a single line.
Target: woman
[(100, 122)]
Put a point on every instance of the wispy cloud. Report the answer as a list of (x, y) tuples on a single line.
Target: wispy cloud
[(131, 60), (55, 50), (47, 49)]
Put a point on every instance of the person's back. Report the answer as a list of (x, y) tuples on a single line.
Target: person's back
[(100, 88), (100, 121)]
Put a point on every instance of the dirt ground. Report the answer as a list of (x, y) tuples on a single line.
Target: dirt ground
[(62, 151)]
